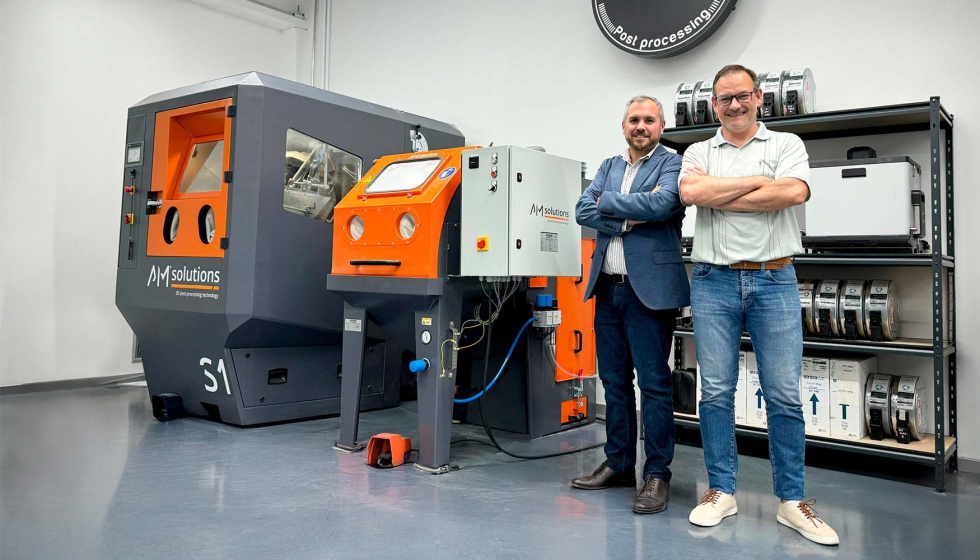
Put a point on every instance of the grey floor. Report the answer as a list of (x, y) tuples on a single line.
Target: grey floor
[(90, 474)]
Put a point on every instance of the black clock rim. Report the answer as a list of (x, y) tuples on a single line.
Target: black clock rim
[(699, 38)]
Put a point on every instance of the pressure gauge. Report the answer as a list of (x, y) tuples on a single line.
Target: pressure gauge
[(426, 337)]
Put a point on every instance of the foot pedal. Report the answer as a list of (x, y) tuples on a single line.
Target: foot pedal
[(385, 451)]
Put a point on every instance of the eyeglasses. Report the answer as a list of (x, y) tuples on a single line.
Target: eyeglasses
[(726, 100)]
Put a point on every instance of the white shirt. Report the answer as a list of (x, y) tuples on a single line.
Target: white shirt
[(615, 259), (725, 237)]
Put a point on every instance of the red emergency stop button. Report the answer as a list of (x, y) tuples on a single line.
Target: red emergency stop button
[(130, 189), (482, 243)]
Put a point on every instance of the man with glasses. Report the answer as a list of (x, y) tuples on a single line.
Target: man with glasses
[(745, 181), (639, 282)]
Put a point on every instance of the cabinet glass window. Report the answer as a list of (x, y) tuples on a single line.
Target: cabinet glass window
[(203, 172), (403, 176), (318, 176)]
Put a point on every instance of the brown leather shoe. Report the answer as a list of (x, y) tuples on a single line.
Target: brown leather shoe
[(653, 497), (604, 477)]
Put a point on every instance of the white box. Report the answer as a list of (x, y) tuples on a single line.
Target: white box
[(815, 395), (755, 402), (740, 390), (521, 204), (847, 379)]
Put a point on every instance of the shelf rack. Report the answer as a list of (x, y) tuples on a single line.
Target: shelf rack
[(928, 116)]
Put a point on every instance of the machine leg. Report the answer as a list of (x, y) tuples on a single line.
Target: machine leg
[(436, 388), (355, 332)]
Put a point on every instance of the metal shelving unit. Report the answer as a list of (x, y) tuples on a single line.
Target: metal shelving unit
[(928, 116)]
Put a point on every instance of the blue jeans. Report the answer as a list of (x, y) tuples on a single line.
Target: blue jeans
[(724, 302), (628, 335)]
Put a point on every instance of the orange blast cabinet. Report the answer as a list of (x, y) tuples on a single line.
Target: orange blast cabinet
[(397, 264)]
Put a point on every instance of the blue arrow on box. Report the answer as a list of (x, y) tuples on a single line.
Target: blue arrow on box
[(843, 411), (758, 393), (814, 400)]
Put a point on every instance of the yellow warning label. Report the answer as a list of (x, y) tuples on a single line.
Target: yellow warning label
[(427, 321)]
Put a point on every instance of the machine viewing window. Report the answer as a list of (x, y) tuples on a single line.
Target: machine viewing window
[(203, 172), (403, 176), (318, 176)]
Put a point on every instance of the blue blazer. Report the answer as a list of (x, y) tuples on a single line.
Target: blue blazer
[(653, 249)]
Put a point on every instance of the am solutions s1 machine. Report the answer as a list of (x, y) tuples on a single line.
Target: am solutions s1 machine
[(229, 195), (473, 258)]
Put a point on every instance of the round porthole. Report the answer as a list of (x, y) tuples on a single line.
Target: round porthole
[(170, 225), (356, 227), (206, 225), (406, 226)]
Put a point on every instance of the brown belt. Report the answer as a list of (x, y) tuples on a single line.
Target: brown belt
[(768, 265)]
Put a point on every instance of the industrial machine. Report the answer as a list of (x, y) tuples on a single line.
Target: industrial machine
[(471, 257), (866, 204), (229, 194)]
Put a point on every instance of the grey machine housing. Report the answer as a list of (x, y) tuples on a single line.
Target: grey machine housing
[(269, 347), (872, 204)]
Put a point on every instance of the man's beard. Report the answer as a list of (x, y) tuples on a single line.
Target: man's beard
[(641, 143)]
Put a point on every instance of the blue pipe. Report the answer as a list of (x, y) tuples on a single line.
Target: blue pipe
[(502, 366)]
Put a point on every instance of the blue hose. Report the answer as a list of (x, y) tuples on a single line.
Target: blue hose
[(502, 366)]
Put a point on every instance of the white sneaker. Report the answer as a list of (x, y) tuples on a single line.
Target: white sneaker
[(714, 507), (802, 517)]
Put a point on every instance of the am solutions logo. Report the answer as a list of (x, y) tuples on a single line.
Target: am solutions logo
[(183, 278), (553, 214)]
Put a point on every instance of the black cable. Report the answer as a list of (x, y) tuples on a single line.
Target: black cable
[(485, 417)]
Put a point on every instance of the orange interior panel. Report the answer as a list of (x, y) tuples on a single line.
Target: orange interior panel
[(575, 336), (176, 133), (419, 254), (570, 409)]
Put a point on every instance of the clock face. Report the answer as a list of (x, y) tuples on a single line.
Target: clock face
[(659, 28), (426, 337)]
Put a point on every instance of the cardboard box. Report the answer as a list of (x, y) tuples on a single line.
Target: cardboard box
[(847, 379), (741, 401), (755, 402), (815, 395)]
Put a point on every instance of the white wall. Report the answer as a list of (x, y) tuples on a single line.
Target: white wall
[(69, 70), (540, 72)]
